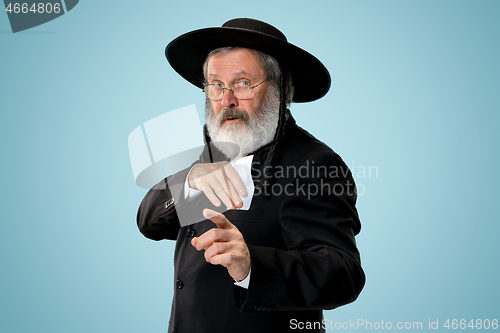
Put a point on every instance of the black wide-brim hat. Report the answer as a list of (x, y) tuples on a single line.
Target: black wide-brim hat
[(187, 53)]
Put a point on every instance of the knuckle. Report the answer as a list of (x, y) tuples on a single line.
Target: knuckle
[(237, 236), (203, 186), (219, 190), (214, 233)]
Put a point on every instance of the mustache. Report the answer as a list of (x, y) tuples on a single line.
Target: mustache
[(233, 113)]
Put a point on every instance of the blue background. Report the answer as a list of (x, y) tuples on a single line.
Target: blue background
[(415, 95)]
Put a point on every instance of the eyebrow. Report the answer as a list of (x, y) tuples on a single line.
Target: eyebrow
[(238, 73)]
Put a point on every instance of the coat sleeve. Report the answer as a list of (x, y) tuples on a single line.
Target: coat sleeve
[(157, 216), (320, 267)]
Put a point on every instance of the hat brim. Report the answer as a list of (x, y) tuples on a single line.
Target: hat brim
[(187, 53)]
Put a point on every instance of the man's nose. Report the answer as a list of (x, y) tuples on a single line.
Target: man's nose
[(228, 99)]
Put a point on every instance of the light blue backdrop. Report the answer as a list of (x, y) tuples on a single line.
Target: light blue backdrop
[(415, 95)]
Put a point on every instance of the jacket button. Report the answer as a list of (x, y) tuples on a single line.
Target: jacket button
[(191, 232), (179, 284)]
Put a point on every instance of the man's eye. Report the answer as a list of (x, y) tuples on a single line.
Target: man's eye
[(218, 84), (244, 83)]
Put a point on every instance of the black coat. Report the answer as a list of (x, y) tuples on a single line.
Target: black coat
[(300, 237)]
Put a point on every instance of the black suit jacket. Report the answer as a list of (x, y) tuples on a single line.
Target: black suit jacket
[(300, 237)]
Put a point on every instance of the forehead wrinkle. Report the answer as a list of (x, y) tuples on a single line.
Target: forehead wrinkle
[(229, 68), (240, 72)]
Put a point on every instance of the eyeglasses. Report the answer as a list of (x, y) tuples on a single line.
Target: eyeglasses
[(241, 90)]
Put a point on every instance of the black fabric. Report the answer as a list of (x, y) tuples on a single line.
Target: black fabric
[(302, 246)]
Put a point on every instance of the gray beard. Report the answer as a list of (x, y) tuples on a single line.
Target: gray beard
[(250, 133)]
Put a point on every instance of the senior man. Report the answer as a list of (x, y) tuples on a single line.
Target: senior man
[(276, 263)]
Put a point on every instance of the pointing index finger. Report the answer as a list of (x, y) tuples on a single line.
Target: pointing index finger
[(220, 220)]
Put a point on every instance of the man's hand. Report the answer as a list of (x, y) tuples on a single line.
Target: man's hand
[(224, 246), (218, 180)]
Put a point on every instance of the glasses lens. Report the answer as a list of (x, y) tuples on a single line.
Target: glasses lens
[(213, 92), (242, 92)]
